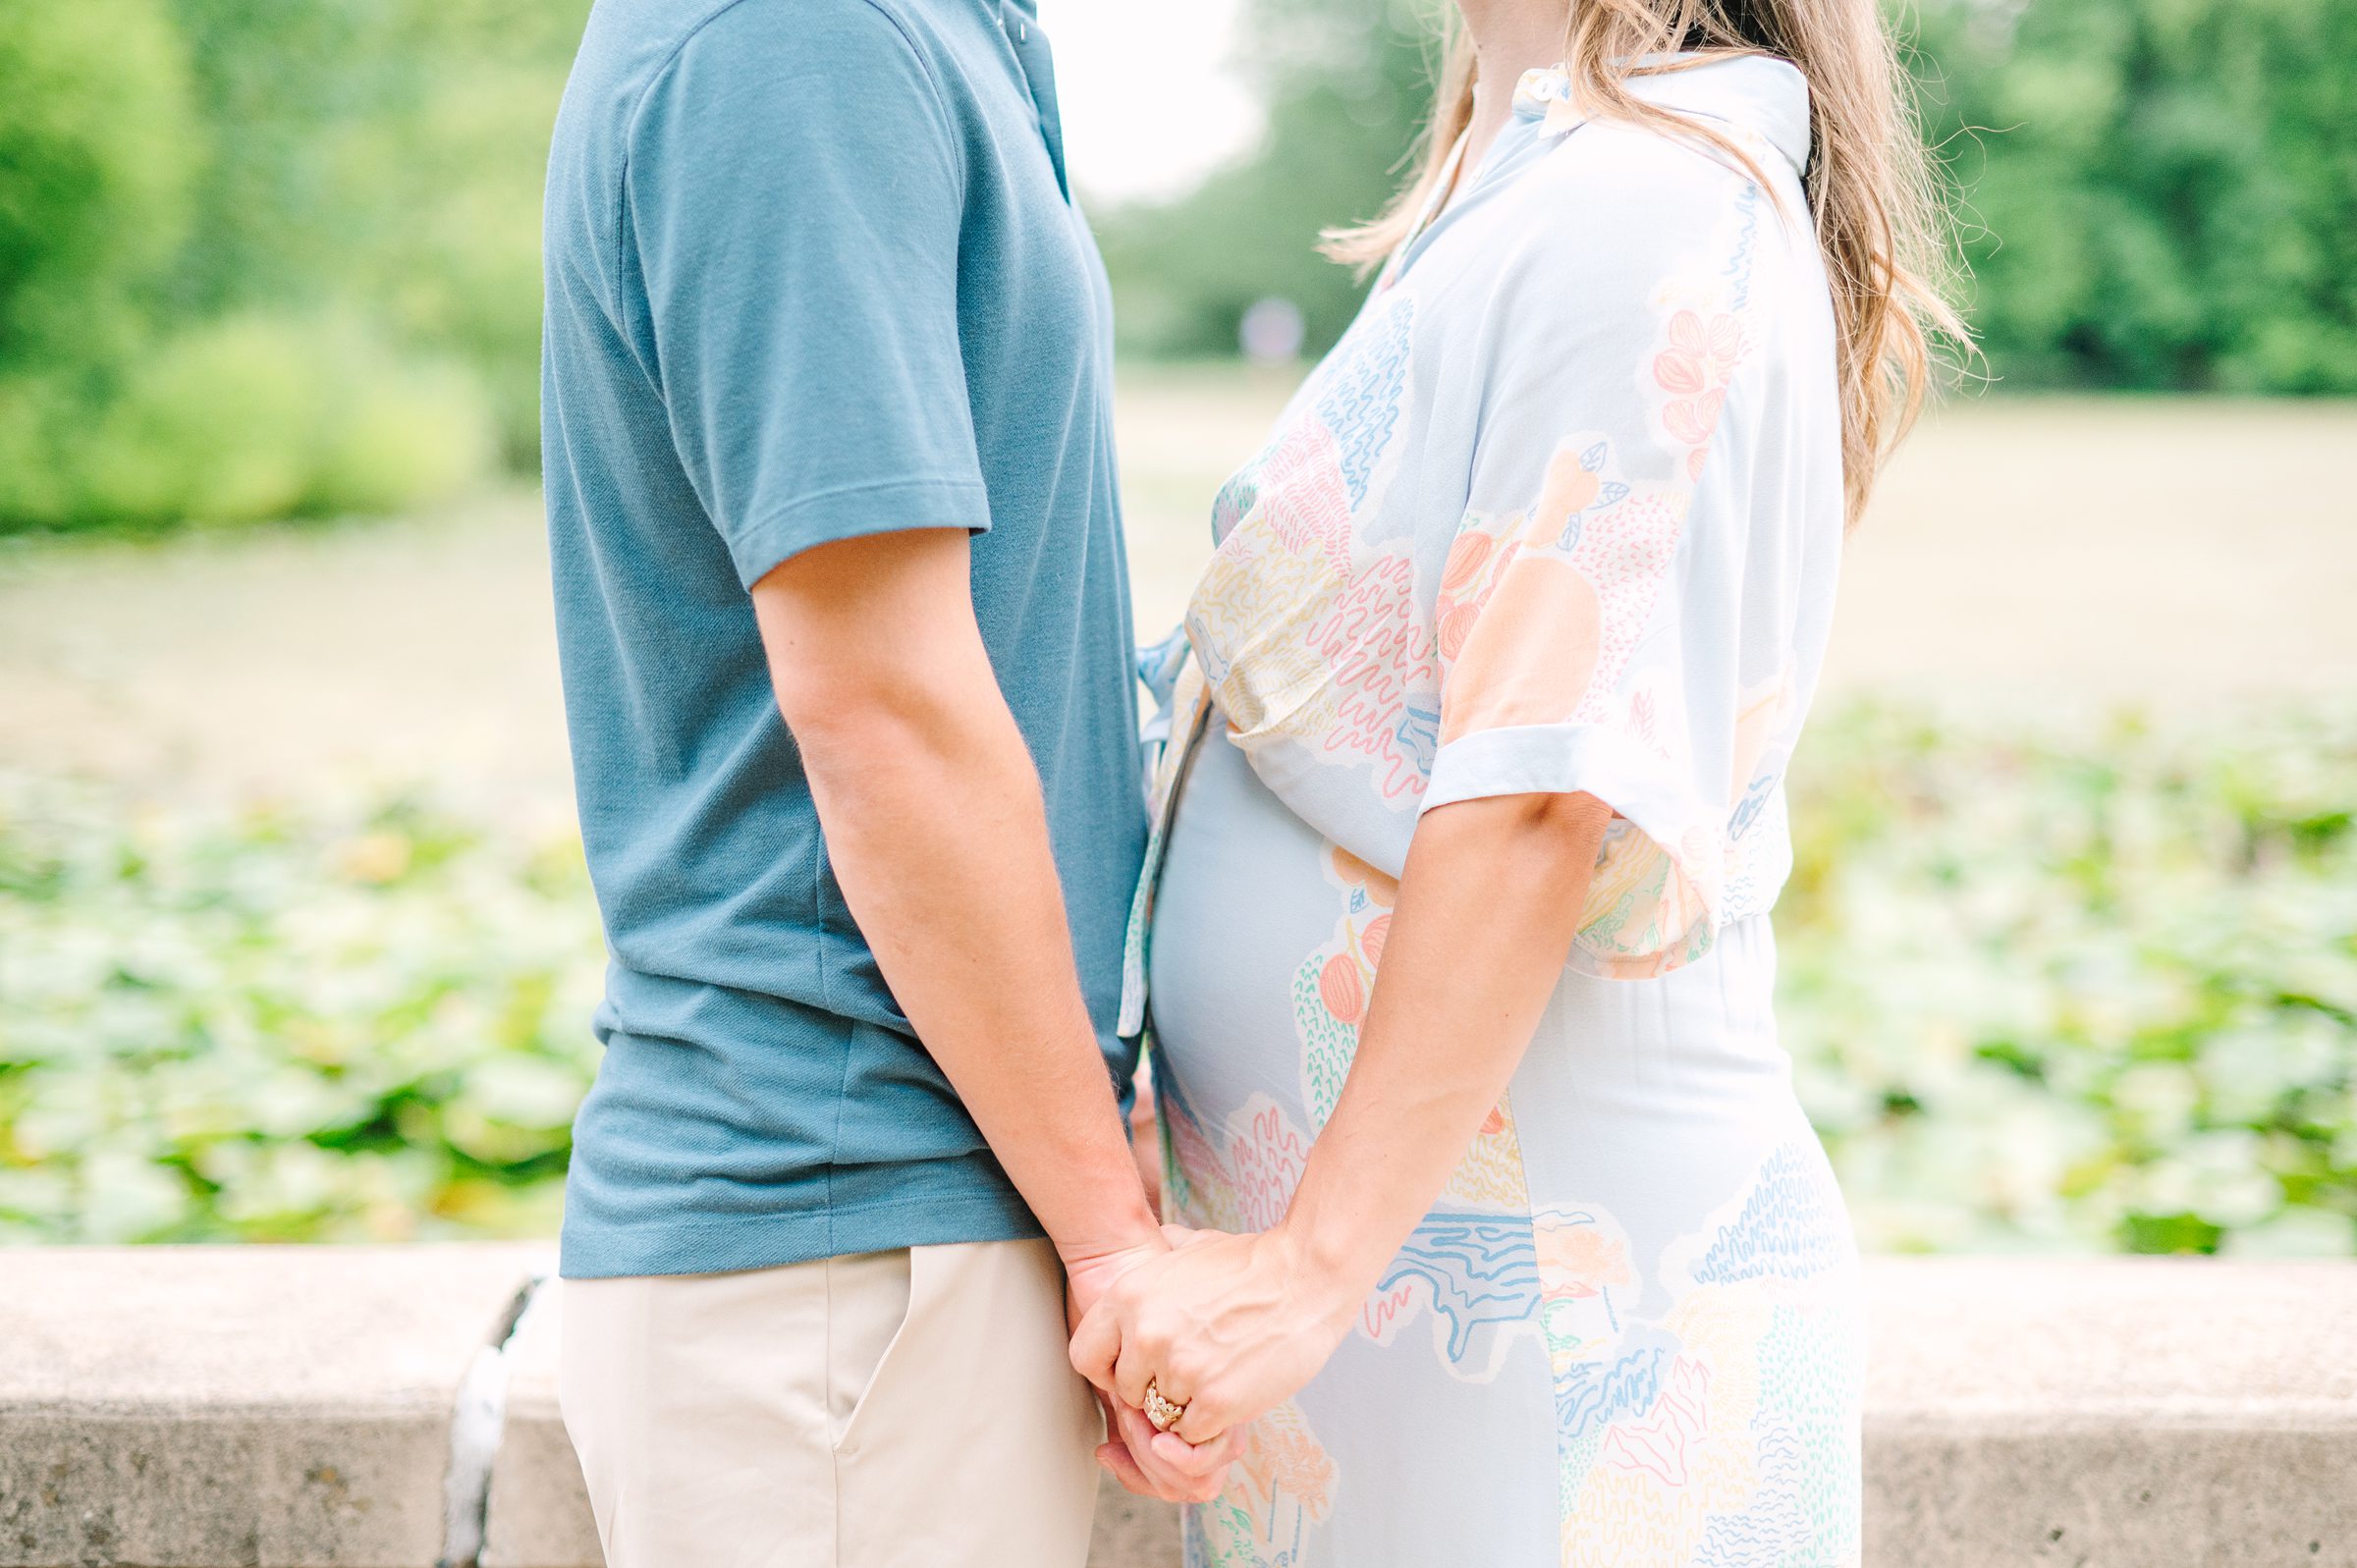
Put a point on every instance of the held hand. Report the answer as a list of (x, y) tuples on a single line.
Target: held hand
[(1160, 1464), (1227, 1325), (1149, 1463)]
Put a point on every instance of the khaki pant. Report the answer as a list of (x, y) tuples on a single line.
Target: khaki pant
[(906, 1409)]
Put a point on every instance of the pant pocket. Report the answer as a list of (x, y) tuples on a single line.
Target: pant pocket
[(973, 1445), (871, 1316)]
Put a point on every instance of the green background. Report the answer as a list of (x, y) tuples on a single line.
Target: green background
[(275, 257), (2051, 979)]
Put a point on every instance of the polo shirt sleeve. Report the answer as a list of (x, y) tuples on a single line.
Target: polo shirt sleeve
[(791, 205)]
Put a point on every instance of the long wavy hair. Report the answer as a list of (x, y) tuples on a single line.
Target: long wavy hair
[(1875, 195)]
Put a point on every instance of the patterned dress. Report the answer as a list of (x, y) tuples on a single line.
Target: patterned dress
[(1563, 512)]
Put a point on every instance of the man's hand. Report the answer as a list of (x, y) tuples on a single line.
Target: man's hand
[(932, 810)]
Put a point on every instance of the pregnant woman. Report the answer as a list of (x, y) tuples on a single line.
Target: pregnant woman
[(1512, 1243)]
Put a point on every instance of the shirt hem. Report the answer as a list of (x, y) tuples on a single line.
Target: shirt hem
[(854, 512), (733, 1243)]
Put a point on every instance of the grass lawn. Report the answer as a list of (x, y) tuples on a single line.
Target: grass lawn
[(2024, 556)]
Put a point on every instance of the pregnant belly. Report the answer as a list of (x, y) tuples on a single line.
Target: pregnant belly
[(1265, 942)]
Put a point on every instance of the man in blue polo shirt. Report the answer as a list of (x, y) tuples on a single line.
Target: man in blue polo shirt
[(846, 638)]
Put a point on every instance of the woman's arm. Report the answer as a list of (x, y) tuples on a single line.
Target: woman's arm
[(1232, 1326)]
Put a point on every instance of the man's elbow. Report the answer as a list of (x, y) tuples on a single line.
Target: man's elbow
[(869, 714)]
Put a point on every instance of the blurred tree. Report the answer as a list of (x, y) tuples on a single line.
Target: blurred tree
[(1347, 82), (387, 152), (286, 84), (96, 141), (2158, 194), (268, 258), (2162, 193)]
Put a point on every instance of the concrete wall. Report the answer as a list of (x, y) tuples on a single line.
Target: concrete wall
[(396, 1408)]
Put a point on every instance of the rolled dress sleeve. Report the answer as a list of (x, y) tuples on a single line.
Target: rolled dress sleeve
[(1612, 619), (792, 197)]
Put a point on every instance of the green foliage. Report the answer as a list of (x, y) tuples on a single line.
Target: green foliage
[(387, 155), (248, 419), (279, 1025), (2165, 190), (96, 145), (243, 419), (268, 257), (2081, 992), (2158, 194), (2092, 993)]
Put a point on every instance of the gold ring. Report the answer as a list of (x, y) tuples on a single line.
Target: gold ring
[(1161, 1413)]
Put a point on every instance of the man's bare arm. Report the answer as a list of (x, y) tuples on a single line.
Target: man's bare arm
[(934, 823)]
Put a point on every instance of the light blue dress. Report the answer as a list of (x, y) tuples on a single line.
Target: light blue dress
[(1561, 512)]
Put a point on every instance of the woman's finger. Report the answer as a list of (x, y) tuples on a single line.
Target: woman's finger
[(1119, 1457), (1170, 1381), (1207, 1417)]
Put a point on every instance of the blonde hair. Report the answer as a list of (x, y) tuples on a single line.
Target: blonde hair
[(1874, 192)]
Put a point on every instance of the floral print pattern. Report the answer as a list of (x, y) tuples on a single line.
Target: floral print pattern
[(1587, 575)]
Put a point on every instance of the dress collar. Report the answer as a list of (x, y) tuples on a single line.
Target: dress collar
[(1753, 93)]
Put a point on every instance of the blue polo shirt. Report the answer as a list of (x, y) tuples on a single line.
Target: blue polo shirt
[(812, 272)]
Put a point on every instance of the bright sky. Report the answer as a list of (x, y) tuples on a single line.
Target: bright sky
[(1150, 104)]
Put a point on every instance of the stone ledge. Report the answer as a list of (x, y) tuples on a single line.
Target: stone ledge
[(539, 1510), (199, 1407), (203, 1407), (2122, 1411), (2111, 1410)]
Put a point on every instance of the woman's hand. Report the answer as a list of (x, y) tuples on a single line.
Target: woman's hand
[(1227, 1325), (1149, 1463)]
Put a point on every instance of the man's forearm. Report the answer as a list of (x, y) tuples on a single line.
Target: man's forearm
[(931, 809), (934, 824), (933, 819)]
